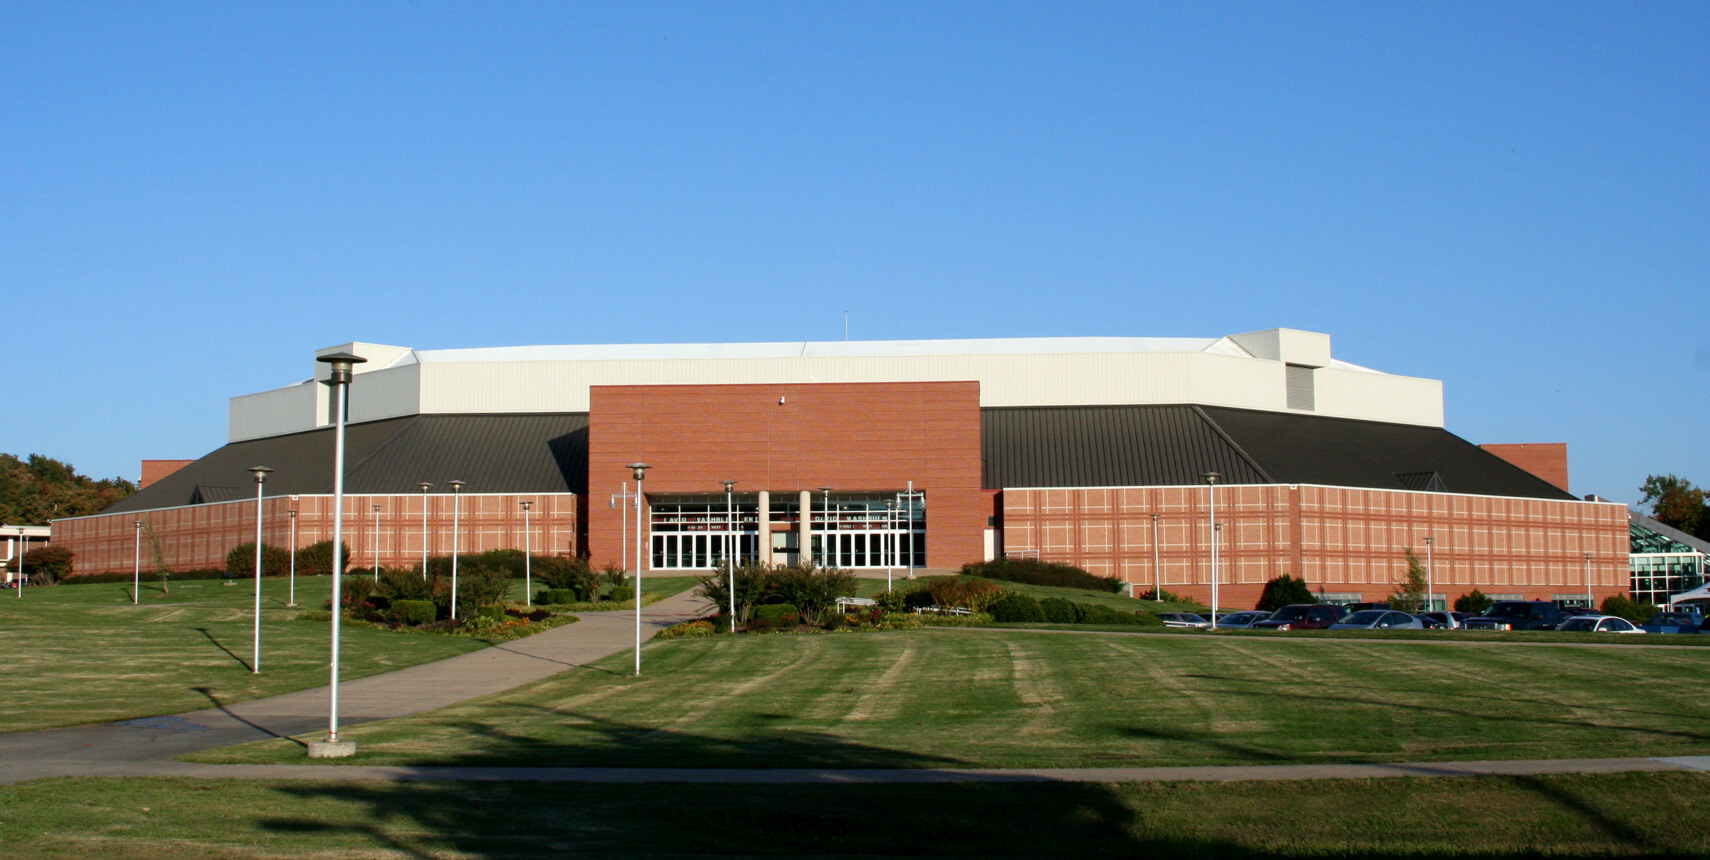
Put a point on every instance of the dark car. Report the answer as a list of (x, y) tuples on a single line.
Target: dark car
[(1450, 620), (1518, 615), (1303, 616), (1675, 622)]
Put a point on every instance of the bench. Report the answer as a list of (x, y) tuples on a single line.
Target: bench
[(844, 603)]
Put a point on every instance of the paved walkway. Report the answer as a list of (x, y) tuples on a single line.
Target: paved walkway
[(145, 747)]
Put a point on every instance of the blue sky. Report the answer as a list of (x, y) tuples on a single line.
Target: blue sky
[(1513, 198)]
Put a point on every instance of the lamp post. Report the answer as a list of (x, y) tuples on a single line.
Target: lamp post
[(730, 546), (340, 366), (640, 471), (20, 562), (1211, 479), (890, 540), (424, 487), (825, 537), (908, 529), (374, 536), (1590, 606), (1157, 572), (528, 556), (260, 473), (456, 523), (1430, 594), (620, 500), (293, 599), (136, 575)]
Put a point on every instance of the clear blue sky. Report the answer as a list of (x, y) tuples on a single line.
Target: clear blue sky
[(1513, 198)]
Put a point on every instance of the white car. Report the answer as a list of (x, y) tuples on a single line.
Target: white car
[(1599, 624), (1183, 619)]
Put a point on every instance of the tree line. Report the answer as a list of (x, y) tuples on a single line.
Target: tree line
[(37, 489)]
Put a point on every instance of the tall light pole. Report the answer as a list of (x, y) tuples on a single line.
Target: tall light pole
[(260, 473), (424, 487), (908, 529), (730, 546), (890, 540), (293, 600), (374, 535), (1211, 479), (825, 533), (1430, 594), (528, 556), (640, 471), (456, 530), (136, 575), (20, 562), (340, 366), (1589, 605), (1157, 571)]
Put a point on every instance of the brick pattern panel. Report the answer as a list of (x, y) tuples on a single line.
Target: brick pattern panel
[(1547, 460), (1339, 539), (199, 536), (853, 437)]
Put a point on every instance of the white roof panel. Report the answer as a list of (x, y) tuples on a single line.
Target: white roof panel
[(831, 349)]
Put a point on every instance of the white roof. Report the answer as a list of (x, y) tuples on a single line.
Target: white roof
[(834, 349)]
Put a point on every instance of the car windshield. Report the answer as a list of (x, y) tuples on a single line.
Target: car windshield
[(1292, 613), (1365, 616), (1578, 625)]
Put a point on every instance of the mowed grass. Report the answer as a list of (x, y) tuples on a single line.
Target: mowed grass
[(1484, 817), (653, 590), (83, 654), (868, 587), (959, 698)]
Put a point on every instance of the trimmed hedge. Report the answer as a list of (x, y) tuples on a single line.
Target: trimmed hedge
[(558, 596), (415, 612), (1059, 611), (777, 614), (1035, 572), (1015, 606), (147, 576)]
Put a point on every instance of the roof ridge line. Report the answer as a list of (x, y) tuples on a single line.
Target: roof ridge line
[(1224, 435)]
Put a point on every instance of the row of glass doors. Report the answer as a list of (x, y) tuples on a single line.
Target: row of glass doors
[(849, 531)]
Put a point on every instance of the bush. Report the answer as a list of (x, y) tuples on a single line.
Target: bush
[(1170, 596), (753, 583), (1098, 613), (892, 601), (491, 610), (476, 587), (617, 580), (813, 590), (152, 575), (48, 564), (1283, 591), (568, 574), (316, 559), (560, 596), (968, 594), (1032, 571), (355, 591), (1015, 606), (404, 583), (1473, 603), (777, 615), (697, 629), (1058, 611), (917, 598), (415, 612), (1147, 619), (1625, 606)]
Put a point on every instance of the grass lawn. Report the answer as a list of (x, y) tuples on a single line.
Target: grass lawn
[(83, 654), (1023, 699), (653, 590), (1485, 817), (871, 587)]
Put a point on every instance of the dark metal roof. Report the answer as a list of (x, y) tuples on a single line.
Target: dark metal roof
[(1113, 446), (1107, 446), (536, 453)]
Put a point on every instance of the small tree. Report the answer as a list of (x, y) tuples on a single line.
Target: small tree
[(1625, 606), (1474, 602), (1283, 591), (316, 559), (158, 557), (240, 562), (48, 564), (1410, 593)]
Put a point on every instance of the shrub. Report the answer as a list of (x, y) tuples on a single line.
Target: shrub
[(568, 574), (697, 629), (1625, 606), (1033, 571), (559, 596), (316, 559), (415, 612), (1098, 613), (917, 597), (892, 601), (1058, 611), (1147, 619), (777, 615), (813, 590), (1015, 606), (1170, 596), (753, 583), (1474, 602), (355, 591), (964, 593), (125, 577), (491, 610), (617, 579), (476, 587), (1283, 591), (403, 583), (48, 564)]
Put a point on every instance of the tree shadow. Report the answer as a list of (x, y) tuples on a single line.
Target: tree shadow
[(240, 661)]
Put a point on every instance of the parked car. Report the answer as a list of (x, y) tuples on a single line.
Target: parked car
[(1244, 618), (1518, 615), (1378, 619), (1183, 619), (1599, 624), (1303, 616), (1675, 622), (1442, 620), (1361, 607)]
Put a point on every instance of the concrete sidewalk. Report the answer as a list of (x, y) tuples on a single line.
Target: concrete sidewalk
[(147, 745)]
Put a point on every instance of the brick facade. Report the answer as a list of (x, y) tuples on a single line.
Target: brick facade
[(1547, 460), (199, 536), (856, 437), (1339, 539)]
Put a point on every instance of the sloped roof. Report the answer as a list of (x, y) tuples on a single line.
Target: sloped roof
[(1665, 535), (541, 453), (1092, 446)]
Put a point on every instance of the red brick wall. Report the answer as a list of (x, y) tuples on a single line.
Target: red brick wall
[(154, 470), (854, 437), (1339, 539), (199, 536), (1547, 460)]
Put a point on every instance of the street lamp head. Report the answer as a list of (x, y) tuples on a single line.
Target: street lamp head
[(526, 505), (1211, 477), (1428, 540), (457, 486), (424, 486), (340, 365), (376, 509), (890, 504), (825, 489), (260, 473), (293, 514), (729, 485), (639, 469), (139, 522)]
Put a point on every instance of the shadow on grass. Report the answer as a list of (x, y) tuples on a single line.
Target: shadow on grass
[(240, 661)]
